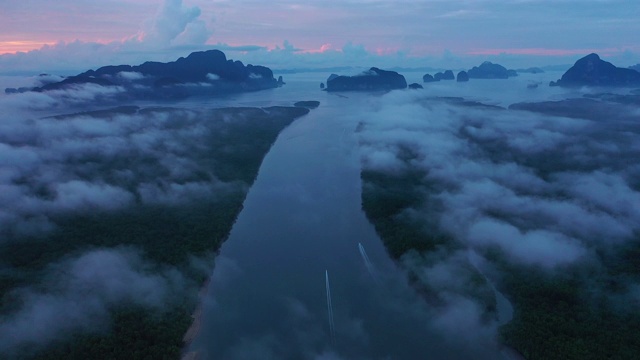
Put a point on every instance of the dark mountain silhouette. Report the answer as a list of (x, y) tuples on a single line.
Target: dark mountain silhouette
[(489, 70), (462, 76), (448, 75), (428, 78), (178, 78), (372, 80), (593, 71)]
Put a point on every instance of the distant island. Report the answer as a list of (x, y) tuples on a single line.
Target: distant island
[(489, 70), (462, 76), (531, 70), (486, 70), (593, 71), (200, 73), (373, 79), (446, 75)]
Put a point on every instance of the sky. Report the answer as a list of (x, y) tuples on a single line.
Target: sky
[(72, 35)]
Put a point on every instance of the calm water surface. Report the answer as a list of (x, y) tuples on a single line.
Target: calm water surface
[(302, 219)]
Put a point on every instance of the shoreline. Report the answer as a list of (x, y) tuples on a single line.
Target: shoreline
[(291, 112), (194, 329)]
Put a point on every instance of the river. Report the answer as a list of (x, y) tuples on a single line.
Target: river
[(302, 221)]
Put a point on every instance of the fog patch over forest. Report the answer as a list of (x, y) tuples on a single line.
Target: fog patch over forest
[(512, 170), (547, 193), (65, 178), (78, 294), (100, 162)]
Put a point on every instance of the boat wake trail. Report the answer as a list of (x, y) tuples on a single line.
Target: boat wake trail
[(367, 262), (332, 326)]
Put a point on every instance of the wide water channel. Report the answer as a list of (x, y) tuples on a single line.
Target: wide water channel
[(302, 220)]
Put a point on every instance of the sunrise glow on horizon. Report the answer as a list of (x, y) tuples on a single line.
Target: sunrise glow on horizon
[(287, 33)]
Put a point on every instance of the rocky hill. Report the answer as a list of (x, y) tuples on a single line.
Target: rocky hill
[(593, 71), (203, 72), (373, 79), (489, 70)]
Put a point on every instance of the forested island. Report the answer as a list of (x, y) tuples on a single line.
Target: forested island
[(467, 183), (593, 71), (374, 79), (201, 73), (128, 231)]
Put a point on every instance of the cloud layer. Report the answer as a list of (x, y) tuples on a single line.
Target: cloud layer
[(80, 293), (510, 190), (544, 190), (427, 33), (163, 37), (53, 167)]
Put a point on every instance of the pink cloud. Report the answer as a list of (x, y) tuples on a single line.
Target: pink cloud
[(12, 47), (382, 51), (324, 48)]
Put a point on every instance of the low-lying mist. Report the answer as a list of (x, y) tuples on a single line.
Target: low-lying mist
[(105, 212), (101, 162), (549, 196), (79, 294), (504, 176)]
